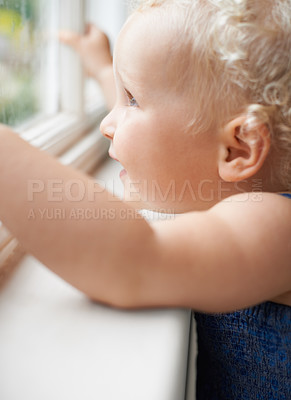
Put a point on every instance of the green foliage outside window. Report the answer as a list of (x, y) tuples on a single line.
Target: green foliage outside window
[(18, 25)]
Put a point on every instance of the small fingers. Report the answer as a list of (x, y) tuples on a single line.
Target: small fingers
[(69, 38), (90, 27)]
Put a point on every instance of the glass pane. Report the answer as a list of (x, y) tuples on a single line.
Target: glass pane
[(23, 48), (109, 16)]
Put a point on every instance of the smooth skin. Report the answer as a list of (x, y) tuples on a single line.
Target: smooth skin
[(226, 252)]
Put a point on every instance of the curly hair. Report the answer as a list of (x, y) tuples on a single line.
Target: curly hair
[(240, 51)]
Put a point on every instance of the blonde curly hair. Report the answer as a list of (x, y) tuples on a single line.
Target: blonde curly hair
[(240, 51)]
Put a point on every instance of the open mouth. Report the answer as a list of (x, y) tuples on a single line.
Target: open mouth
[(123, 172)]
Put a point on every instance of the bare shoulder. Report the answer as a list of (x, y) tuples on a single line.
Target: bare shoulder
[(266, 219), (260, 222), (248, 218), (232, 256), (260, 210)]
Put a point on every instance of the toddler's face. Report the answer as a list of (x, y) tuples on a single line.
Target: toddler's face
[(165, 166)]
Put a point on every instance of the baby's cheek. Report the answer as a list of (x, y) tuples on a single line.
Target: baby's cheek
[(126, 150)]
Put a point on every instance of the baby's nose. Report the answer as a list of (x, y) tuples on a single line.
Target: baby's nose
[(106, 127)]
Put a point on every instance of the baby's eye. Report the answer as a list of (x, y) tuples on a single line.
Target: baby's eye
[(132, 101)]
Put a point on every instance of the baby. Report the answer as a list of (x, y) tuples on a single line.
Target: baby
[(202, 127)]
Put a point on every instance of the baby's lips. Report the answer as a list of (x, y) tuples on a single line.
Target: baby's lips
[(122, 173), (112, 154)]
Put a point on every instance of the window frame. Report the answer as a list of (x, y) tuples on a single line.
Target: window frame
[(71, 133)]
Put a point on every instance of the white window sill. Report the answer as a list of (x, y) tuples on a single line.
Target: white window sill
[(56, 344)]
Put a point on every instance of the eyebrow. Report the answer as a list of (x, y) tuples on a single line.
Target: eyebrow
[(120, 74), (126, 82)]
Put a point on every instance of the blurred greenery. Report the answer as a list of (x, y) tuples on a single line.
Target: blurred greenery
[(18, 97), (26, 8), (21, 106)]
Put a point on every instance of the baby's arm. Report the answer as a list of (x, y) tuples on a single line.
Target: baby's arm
[(94, 49), (97, 255), (234, 255)]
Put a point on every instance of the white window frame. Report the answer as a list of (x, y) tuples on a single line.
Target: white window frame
[(72, 134)]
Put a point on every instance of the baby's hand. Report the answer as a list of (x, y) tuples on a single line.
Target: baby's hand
[(94, 49)]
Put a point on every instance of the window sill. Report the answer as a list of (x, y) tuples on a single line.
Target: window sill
[(82, 346), (75, 141), (56, 344)]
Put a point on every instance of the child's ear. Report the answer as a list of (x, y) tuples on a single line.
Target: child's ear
[(243, 149)]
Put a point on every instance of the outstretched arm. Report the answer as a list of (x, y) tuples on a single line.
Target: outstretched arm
[(97, 250), (94, 50), (232, 256)]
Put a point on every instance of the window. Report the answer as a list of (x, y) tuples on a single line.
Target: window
[(109, 16), (43, 92), (20, 60)]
